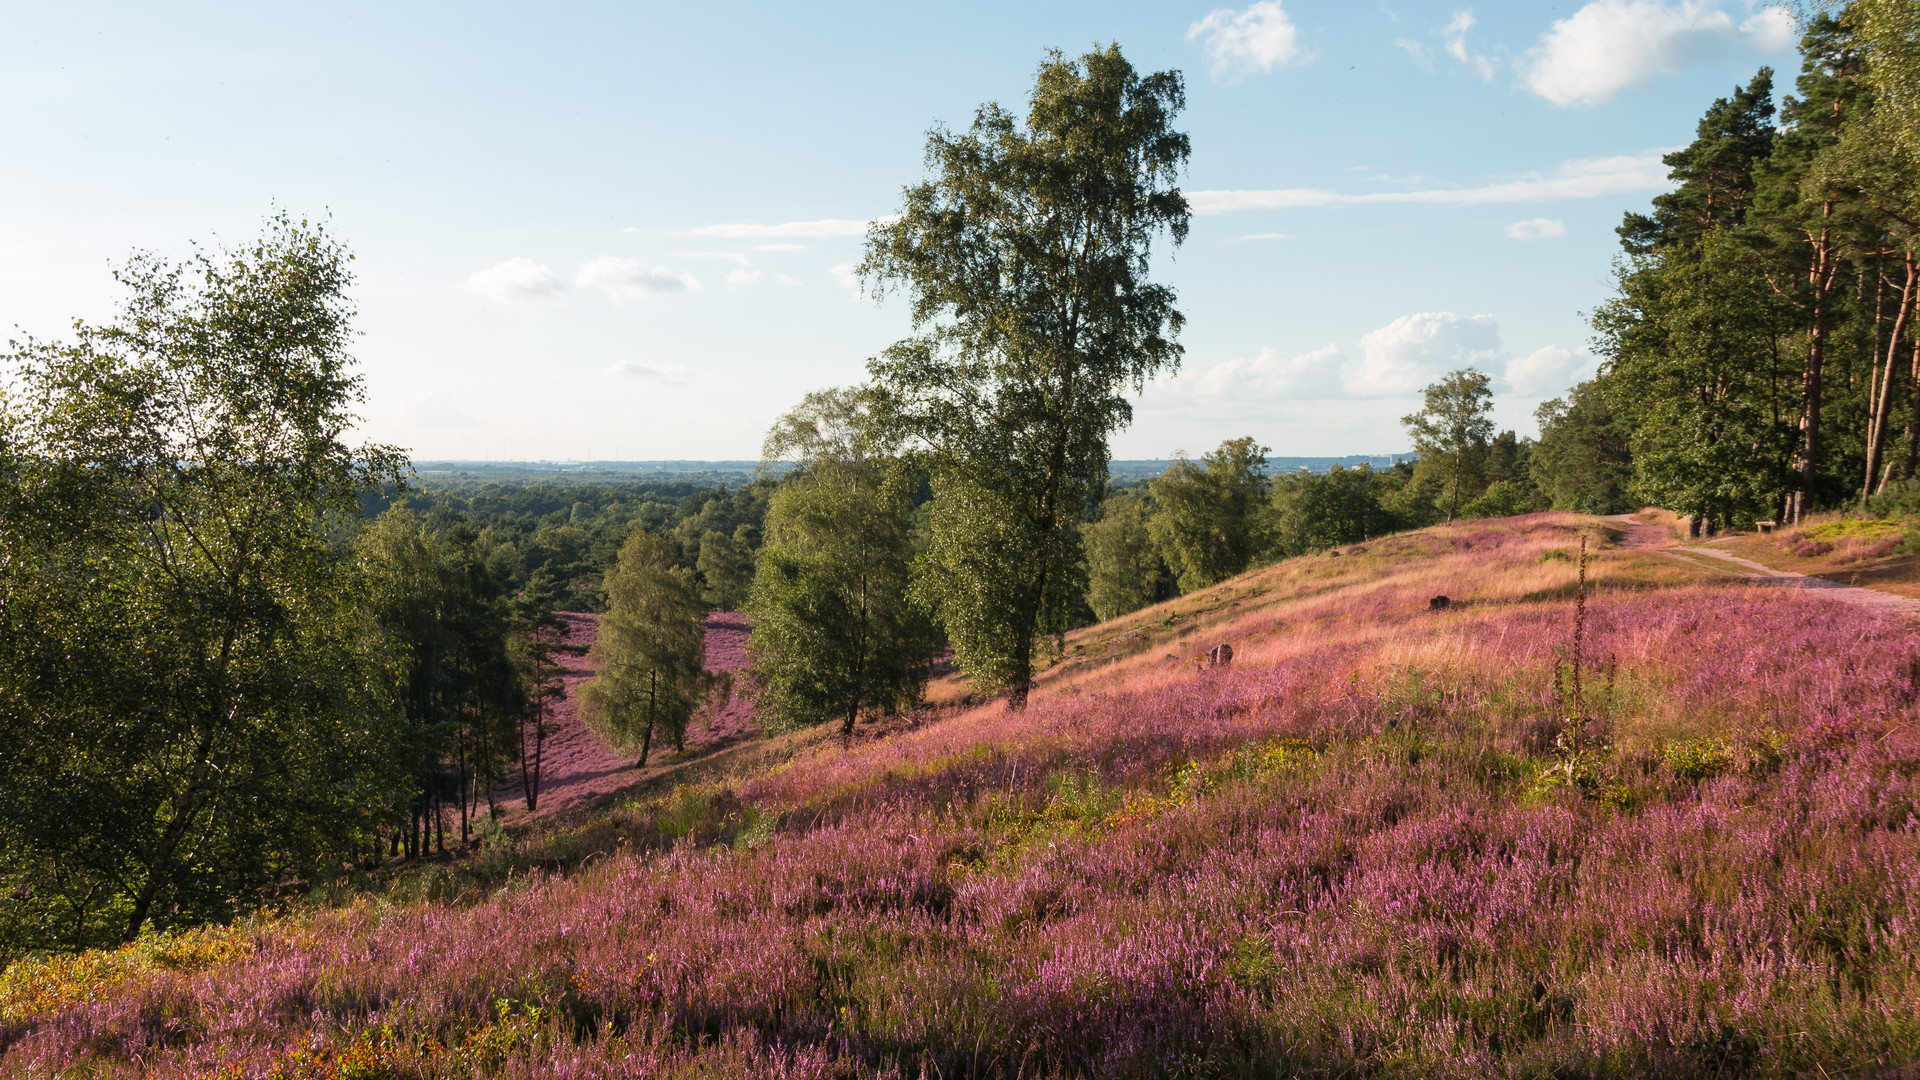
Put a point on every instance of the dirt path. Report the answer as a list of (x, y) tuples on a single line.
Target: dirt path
[(1658, 539), (1642, 534), (1860, 596), (580, 767)]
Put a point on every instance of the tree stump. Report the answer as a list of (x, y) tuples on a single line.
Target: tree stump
[(1220, 656)]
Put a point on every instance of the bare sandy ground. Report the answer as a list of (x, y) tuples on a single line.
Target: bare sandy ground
[(1642, 534)]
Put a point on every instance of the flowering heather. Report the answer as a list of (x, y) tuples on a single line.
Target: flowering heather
[(1383, 842)]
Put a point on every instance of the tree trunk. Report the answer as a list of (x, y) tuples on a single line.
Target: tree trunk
[(1883, 386), (526, 760), (1822, 273), (1913, 413), (646, 737), (185, 810)]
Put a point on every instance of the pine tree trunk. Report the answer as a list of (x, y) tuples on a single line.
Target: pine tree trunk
[(1883, 387), (646, 737), (1822, 274), (1913, 412)]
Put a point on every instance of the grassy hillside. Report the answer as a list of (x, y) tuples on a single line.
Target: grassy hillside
[(1386, 841)]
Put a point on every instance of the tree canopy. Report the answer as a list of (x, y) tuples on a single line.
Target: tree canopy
[(1025, 258)]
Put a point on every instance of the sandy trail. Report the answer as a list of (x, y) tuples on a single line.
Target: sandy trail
[(1657, 538), (579, 766)]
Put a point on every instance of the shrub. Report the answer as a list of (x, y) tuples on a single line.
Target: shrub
[(1861, 552), (1699, 759)]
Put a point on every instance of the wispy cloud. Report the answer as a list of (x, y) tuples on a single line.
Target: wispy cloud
[(1536, 229), (518, 281), (1264, 236), (730, 256), (626, 279), (819, 230), (666, 373), (1253, 40), (844, 276), (1455, 35), (1584, 179)]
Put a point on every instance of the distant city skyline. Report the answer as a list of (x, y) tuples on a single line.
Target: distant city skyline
[(628, 232)]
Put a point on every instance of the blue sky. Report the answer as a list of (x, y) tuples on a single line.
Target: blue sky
[(598, 231)]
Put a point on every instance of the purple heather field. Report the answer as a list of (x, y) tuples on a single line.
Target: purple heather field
[(1383, 843)]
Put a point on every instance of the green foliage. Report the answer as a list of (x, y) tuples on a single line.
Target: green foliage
[(1756, 354), (1505, 498), (1124, 570), (1345, 506), (650, 648), (834, 630), (572, 533), (1694, 358), (1025, 258), (461, 694), (1209, 522), (1699, 759), (1582, 461), (726, 566), (1898, 500), (193, 710), (1453, 431)]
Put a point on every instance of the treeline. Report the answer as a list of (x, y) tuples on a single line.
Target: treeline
[(1759, 356), (567, 536)]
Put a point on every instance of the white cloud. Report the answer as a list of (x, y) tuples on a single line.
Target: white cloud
[(1266, 236), (731, 256), (1546, 370), (1413, 350), (1418, 50), (1772, 29), (787, 280), (1397, 360), (1455, 35), (1609, 46), (822, 229), (1536, 229), (626, 279), (1313, 376), (1583, 179), (844, 276), (1241, 43), (666, 373), (518, 281), (737, 278), (779, 247)]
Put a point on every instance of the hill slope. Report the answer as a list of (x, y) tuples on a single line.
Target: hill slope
[(1384, 841)]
